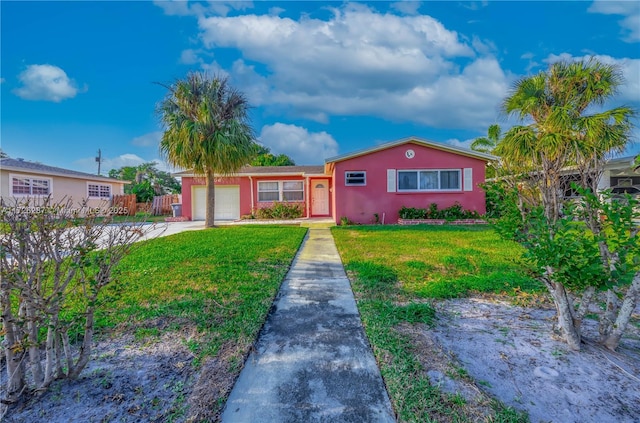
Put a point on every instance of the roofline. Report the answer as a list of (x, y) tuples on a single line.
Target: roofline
[(623, 161), (237, 175), (88, 176), (415, 140)]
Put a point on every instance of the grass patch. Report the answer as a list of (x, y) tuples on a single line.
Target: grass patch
[(220, 281), (394, 271), (438, 261), (212, 289)]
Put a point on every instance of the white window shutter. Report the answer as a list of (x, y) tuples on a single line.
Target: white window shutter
[(468, 179), (391, 180)]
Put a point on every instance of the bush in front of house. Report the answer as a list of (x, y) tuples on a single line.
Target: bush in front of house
[(455, 212), (281, 211)]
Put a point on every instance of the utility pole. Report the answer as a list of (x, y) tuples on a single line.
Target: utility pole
[(99, 160)]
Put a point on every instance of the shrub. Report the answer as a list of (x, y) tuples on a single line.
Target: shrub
[(345, 221), (455, 212), (50, 258), (412, 213), (281, 211)]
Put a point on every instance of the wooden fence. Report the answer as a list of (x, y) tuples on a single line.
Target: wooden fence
[(162, 204), (124, 204)]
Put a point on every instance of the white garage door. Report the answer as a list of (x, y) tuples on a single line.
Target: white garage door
[(227, 202)]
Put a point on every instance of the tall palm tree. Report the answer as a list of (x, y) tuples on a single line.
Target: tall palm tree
[(207, 129), (562, 133), (564, 127)]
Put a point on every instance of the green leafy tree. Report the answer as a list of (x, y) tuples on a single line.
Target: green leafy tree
[(3, 155), (264, 157), (207, 129), (125, 173), (144, 191), (146, 181), (565, 128)]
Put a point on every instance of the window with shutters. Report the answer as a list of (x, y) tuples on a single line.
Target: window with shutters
[(429, 180)]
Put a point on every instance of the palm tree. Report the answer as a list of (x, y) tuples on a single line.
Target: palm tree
[(487, 145), (490, 142), (564, 130), (206, 129)]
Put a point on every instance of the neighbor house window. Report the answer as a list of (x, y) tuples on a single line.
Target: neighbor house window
[(355, 178), (281, 191), (99, 191), (429, 180), (28, 185)]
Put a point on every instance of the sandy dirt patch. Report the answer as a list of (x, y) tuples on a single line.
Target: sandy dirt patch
[(128, 380), (513, 354)]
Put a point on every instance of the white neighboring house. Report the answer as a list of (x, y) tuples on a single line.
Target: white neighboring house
[(619, 172), (22, 179)]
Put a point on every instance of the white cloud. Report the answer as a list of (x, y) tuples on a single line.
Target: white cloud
[(629, 9), (213, 7), (152, 139), (630, 68), (276, 10), (189, 57), (2, 80), (462, 144), (46, 82), (474, 5), (302, 146), (403, 68), (407, 7)]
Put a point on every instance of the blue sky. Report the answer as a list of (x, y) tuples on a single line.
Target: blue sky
[(324, 78)]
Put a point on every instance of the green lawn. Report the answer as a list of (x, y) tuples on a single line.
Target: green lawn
[(395, 270), (220, 281)]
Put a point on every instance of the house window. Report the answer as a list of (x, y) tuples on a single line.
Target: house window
[(26, 185), (429, 180), (355, 178), (281, 191), (99, 191), (292, 191)]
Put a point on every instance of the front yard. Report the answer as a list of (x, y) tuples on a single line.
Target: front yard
[(394, 271), (461, 333), (174, 328)]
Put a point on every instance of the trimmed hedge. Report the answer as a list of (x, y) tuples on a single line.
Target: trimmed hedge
[(455, 212)]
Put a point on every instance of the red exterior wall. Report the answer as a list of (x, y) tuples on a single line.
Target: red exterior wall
[(359, 203), (245, 191), (189, 182)]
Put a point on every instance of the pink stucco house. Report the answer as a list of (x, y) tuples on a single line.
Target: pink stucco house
[(410, 172)]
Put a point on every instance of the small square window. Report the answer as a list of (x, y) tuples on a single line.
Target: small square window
[(99, 191), (355, 178)]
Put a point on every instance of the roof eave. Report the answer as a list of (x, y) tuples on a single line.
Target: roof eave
[(415, 140), (63, 175)]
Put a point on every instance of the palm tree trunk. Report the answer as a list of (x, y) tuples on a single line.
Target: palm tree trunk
[(211, 200)]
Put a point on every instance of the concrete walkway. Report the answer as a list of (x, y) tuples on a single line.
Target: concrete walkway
[(312, 362)]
